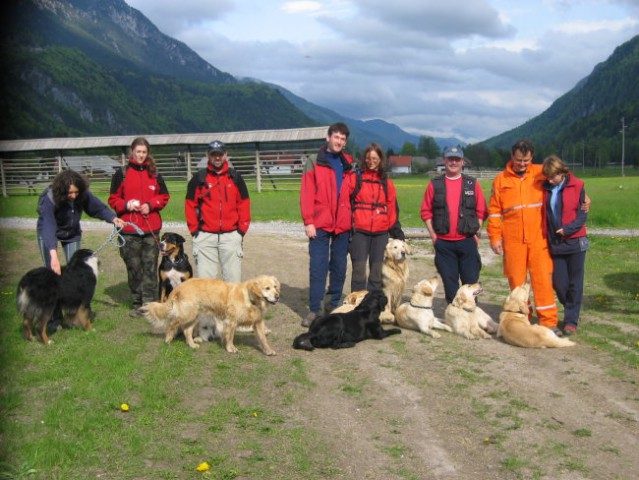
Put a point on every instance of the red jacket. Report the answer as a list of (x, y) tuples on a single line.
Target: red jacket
[(573, 219), (373, 210), (138, 184), (217, 202), (319, 202)]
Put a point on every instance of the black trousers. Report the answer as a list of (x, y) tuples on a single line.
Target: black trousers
[(457, 261), (367, 249)]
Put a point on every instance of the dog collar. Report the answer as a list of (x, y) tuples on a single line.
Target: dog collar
[(420, 306)]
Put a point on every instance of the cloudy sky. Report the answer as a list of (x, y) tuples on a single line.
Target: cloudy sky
[(465, 68)]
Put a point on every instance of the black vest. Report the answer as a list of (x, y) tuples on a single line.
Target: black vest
[(467, 224)]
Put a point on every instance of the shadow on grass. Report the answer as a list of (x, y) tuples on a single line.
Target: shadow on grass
[(295, 298)]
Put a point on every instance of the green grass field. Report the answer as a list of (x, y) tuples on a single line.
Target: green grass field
[(614, 202)]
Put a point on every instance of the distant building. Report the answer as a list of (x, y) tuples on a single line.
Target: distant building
[(401, 164), (91, 166)]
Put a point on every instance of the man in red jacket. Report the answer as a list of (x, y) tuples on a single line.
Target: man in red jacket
[(218, 215), (326, 212)]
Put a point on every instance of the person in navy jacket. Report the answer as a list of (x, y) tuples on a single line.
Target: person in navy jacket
[(60, 209), (565, 228)]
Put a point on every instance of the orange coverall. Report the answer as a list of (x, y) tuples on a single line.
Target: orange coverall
[(515, 219)]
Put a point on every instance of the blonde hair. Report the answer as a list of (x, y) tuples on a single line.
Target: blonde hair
[(553, 165)]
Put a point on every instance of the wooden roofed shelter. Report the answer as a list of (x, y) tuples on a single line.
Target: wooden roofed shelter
[(271, 159)]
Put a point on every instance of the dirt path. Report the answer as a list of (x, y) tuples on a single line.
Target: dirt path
[(414, 407)]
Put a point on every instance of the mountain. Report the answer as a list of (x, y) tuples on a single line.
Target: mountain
[(363, 132), (587, 119), (99, 67)]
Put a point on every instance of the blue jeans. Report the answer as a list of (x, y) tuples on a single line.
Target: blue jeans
[(69, 250), (328, 254)]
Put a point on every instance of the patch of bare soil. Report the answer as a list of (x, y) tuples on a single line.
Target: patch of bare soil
[(414, 407)]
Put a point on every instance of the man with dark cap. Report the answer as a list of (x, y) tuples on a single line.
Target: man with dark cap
[(453, 209), (218, 215)]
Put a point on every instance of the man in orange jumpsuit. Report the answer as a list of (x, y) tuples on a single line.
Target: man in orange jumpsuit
[(515, 229)]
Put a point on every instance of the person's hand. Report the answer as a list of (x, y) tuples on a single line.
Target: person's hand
[(433, 238), (497, 247), (560, 232), (310, 230), (586, 205), (133, 205), (55, 262), (145, 209), (118, 222)]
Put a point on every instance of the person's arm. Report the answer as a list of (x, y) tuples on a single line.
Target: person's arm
[(307, 199), (426, 211), (243, 207), (495, 220), (159, 200), (191, 205), (48, 229)]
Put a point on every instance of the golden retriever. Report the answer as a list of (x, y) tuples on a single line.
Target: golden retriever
[(394, 276), (418, 313), (229, 304), (465, 317), (516, 329), (351, 301)]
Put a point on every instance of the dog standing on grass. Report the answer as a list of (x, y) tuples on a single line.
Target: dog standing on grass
[(40, 290)]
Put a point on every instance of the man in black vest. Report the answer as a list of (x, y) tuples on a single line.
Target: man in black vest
[(454, 207)]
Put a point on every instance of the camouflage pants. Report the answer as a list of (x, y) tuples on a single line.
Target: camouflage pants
[(140, 255)]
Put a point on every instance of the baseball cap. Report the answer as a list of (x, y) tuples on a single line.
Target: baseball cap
[(216, 147), (453, 152)]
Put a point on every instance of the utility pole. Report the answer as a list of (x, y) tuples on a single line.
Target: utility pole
[(623, 145)]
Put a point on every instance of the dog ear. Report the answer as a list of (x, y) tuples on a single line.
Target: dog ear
[(254, 288), (180, 239), (523, 307), (409, 250)]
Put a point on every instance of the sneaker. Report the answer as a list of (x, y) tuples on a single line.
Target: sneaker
[(136, 312), (570, 330), (557, 331), (306, 321)]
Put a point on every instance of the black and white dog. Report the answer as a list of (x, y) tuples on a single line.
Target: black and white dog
[(40, 291), (344, 330), (175, 267)]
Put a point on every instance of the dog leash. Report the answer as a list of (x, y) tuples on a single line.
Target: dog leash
[(116, 237)]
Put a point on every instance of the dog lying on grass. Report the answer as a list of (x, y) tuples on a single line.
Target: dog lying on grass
[(516, 329), (465, 317), (344, 330)]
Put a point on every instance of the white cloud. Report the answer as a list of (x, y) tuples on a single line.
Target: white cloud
[(493, 63)]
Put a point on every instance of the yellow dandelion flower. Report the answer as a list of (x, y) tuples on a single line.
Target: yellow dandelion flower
[(203, 467), (255, 414), (124, 407)]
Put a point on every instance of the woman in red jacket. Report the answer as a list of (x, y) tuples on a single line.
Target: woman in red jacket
[(137, 196), (374, 207), (565, 229)]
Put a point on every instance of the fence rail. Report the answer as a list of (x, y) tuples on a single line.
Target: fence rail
[(279, 169)]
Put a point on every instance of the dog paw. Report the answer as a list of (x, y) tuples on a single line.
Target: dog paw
[(194, 346), (270, 352), (231, 349), (434, 334)]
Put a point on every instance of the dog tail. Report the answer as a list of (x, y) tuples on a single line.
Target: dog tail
[(303, 342), (157, 314), (561, 342)]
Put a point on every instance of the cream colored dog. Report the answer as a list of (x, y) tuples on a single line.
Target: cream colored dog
[(394, 276), (516, 329), (230, 305), (351, 301), (465, 317), (418, 313)]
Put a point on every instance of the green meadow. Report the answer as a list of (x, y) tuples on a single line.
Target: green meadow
[(614, 202)]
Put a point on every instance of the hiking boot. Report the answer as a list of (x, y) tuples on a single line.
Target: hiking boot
[(570, 330), (557, 331), (306, 321)]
